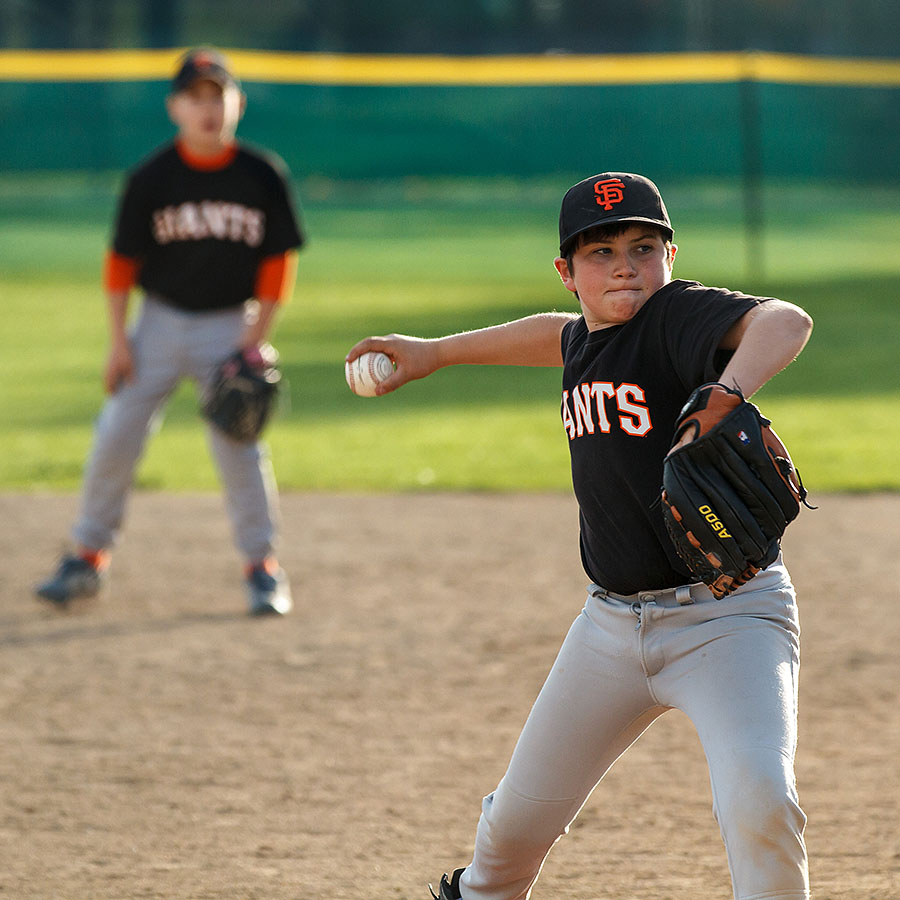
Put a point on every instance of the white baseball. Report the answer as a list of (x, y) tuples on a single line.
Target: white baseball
[(367, 371)]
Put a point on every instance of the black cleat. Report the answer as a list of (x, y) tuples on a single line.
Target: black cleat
[(449, 887)]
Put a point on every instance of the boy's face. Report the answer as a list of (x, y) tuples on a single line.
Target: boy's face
[(614, 276), (206, 115)]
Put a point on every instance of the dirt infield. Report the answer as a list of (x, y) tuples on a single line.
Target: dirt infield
[(160, 744)]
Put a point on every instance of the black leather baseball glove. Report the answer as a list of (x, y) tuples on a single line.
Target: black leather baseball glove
[(729, 494), (243, 394)]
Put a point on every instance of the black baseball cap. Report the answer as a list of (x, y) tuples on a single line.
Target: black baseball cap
[(205, 63), (609, 198)]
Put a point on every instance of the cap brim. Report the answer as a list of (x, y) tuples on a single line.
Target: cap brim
[(223, 79), (614, 220)]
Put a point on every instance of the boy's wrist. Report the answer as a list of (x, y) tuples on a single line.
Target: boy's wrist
[(440, 351)]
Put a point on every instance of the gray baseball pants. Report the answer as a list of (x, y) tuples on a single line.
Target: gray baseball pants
[(730, 665), (169, 345)]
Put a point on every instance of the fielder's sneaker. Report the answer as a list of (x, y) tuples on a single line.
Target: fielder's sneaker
[(449, 887), (74, 578), (268, 591)]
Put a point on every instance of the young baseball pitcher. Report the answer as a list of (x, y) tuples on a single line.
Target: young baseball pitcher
[(207, 229), (651, 636)]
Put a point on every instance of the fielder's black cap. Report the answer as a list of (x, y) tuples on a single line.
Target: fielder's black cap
[(609, 198), (203, 63)]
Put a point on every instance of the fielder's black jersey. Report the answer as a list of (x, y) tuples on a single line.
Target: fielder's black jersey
[(623, 388), (200, 234)]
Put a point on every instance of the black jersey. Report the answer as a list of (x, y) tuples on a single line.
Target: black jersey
[(623, 388), (199, 234)]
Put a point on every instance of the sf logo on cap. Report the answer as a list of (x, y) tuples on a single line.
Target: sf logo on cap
[(609, 192)]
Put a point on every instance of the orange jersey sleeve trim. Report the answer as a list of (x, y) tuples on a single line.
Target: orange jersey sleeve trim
[(120, 272), (275, 277)]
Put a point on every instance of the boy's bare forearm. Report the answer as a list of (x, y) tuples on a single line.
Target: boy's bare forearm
[(532, 341), (260, 326), (117, 307)]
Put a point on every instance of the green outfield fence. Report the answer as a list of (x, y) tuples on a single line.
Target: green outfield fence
[(354, 117)]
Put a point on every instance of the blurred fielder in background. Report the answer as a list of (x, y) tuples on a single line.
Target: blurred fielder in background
[(207, 229)]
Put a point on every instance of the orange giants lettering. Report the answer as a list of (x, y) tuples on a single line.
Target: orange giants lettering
[(609, 192)]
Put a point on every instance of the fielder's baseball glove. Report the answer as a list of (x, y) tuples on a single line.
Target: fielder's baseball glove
[(243, 394), (730, 493)]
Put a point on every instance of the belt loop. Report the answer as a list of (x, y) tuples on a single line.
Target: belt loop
[(683, 595)]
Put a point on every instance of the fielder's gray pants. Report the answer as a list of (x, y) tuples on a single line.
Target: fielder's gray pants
[(169, 345), (731, 665)]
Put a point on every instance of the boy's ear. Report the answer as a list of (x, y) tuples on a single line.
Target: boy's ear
[(565, 273)]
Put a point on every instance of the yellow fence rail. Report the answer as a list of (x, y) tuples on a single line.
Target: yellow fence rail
[(546, 69)]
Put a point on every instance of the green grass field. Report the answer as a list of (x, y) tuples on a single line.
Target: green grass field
[(425, 258)]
